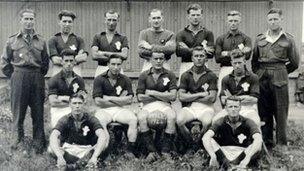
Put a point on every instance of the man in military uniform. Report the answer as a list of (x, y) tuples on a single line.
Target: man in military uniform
[(25, 61), (274, 56), (191, 36), (156, 39), (109, 42), (66, 39), (233, 39)]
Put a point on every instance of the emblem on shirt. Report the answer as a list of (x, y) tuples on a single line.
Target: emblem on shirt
[(241, 46), (166, 81), (204, 43), (118, 90), (205, 86), (241, 138), (245, 86), (75, 87), (20, 55), (162, 41), (118, 45), (85, 130), (73, 47)]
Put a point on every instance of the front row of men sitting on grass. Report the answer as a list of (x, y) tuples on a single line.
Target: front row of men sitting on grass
[(231, 137)]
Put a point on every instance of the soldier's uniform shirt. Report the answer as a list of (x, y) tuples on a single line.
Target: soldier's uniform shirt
[(207, 82), (272, 60), (228, 42), (226, 135), (165, 82), (84, 135), (118, 42), (57, 45), (58, 85), (102, 86), (25, 61)]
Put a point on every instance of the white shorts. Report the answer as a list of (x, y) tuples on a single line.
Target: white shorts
[(147, 65), (199, 109), (225, 70), (157, 105), (111, 112), (57, 113), (77, 150), (101, 69)]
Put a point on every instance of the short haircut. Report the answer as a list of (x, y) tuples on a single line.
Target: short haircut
[(68, 52), (234, 13), (111, 11), (76, 95), (233, 98), (194, 7), (199, 48), (114, 56), (26, 11), (156, 10), (67, 14), (236, 53), (275, 11)]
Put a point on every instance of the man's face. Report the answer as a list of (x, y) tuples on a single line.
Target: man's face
[(157, 60), (115, 65), (233, 22), (66, 24), (198, 58), (238, 65), (111, 21), (233, 108), (195, 17), (27, 21), (68, 63), (274, 21), (156, 19), (76, 105)]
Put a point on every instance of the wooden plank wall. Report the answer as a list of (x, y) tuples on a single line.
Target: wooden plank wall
[(134, 17)]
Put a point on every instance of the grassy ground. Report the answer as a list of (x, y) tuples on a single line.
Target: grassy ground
[(290, 158)]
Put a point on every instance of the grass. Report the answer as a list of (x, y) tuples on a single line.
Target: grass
[(290, 158)]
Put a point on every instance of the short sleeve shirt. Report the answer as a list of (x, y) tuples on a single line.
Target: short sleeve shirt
[(165, 82), (84, 135), (116, 45), (58, 85), (57, 45), (241, 136), (102, 86), (248, 85)]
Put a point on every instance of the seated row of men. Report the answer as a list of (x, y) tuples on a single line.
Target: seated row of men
[(156, 89)]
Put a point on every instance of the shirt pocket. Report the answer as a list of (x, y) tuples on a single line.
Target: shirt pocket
[(280, 50), (37, 49), (262, 48), (19, 51)]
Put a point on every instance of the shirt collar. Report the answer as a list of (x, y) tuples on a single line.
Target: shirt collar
[(104, 33), (34, 34), (230, 33), (247, 73), (63, 74), (201, 28), (191, 70), (84, 117), (163, 71), (59, 34), (106, 74), (240, 120), (270, 39)]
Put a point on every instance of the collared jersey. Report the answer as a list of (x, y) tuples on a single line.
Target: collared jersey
[(165, 82), (248, 85), (19, 52), (118, 42), (283, 51), (57, 45), (191, 40), (58, 85), (102, 86), (226, 135), (228, 42), (84, 135), (156, 38), (206, 82)]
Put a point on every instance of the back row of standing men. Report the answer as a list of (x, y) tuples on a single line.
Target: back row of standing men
[(25, 60)]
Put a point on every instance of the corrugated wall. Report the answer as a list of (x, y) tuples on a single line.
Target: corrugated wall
[(134, 18)]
